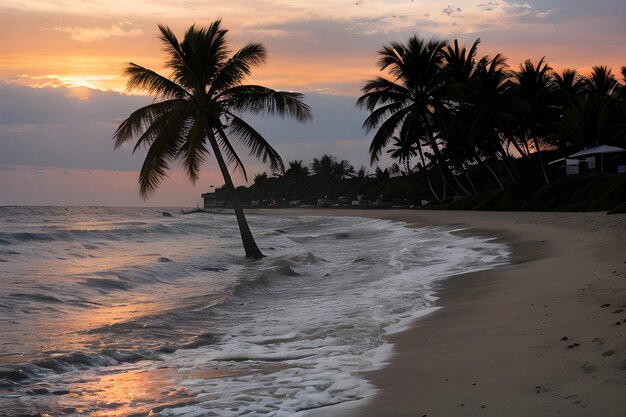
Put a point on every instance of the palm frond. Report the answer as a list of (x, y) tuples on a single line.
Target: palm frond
[(377, 115), (152, 83), (265, 101), (141, 119), (163, 151), (381, 91), (205, 50), (385, 132), (234, 71), (193, 151), (177, 61), (254, 141)]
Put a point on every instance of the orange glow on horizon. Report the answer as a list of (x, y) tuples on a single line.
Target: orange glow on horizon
[(76, 44)]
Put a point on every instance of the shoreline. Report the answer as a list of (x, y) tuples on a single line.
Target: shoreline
[(496, 347)]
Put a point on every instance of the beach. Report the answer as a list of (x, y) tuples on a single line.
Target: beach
[(542, 336), (352, 313), (124, 311)]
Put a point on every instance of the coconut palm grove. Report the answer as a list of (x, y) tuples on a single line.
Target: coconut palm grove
[(464, 130)]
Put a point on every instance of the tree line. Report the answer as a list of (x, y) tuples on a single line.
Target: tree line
[(441, 104), (452, 109)]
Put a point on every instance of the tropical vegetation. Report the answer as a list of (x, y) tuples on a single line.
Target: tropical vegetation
[(198, 110), (452, 110)]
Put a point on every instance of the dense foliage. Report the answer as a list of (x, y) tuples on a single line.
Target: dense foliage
[(452, 110)]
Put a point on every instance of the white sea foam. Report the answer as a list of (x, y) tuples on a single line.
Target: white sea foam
[(326, 325)]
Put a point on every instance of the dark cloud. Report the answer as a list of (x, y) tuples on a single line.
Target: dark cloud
[(46, 127), (79, 133)]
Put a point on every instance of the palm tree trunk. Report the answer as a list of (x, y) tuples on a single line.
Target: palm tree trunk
[(443, 165), (493, 173), (505, 162), (543, 168), (470, 181), (430, 185), (456, 179), (518, 148), (249, 244)]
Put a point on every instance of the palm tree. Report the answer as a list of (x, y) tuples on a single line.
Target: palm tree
[(602, 81), (323, 167), (535, 86), (260, 180), (570, 82), (406, 103), (296, 169), (491, 109), (404, 149), (198, 109), (343, 169), (362, 173)]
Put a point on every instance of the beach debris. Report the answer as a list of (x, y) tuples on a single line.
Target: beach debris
[(483, 406), (166, 214), (618, 323), (596, 339), (608, 353), (605, 305), (573, 345), (619, 310)]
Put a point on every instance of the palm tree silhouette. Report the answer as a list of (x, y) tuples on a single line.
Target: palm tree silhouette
[(296, 169), (404, 149), (535, 86), (198, 108), (407, 102)]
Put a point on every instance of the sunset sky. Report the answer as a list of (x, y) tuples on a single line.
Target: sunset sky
[(62, 94)]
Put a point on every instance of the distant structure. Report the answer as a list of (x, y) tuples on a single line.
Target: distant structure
[(211, 201)]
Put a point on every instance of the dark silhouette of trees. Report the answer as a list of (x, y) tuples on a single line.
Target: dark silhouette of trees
[(448, 109)]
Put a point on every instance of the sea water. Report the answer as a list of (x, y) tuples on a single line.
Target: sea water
[(122, 311)]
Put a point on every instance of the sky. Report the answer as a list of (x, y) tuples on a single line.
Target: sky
[(62, 93)]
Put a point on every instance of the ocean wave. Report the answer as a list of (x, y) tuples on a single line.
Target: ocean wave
[(95, 234)]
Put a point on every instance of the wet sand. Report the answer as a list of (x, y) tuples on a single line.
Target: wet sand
[(543, 336)]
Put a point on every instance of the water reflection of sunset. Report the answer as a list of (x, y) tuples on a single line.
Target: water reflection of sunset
[(134, 391), (138, 390)]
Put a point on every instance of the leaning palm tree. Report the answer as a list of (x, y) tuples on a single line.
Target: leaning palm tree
[(198, 109)]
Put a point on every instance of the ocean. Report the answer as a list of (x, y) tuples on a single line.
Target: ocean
[(122, 311)]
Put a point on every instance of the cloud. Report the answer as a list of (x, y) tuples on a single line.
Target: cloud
[(26, 127), (546, 13), (79, 85), (489, 6), (524, 9), (86, 34), (451, 10)]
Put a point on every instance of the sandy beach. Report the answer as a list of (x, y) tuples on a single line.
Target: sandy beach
[(542, 336)]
